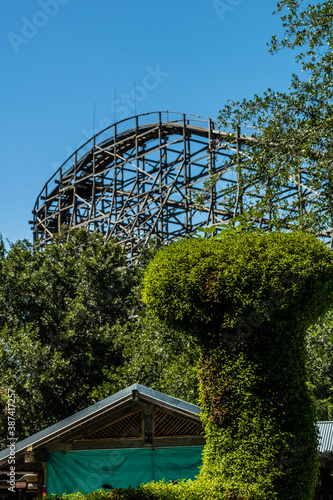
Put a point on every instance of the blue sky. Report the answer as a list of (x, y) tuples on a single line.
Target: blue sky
[(61, 59)]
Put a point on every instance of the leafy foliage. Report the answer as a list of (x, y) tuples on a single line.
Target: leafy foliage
[(292, 148), (183, 490), (186, 274), (241, 223), (249, 298), (155, 356), (74, 330), (56, 310)]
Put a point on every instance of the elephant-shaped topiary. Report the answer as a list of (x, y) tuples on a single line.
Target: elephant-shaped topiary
[(249, 298)]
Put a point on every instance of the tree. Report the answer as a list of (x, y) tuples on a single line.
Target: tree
[(286, 169), (73, 330), (57, 306), (249, 298), (156, 356)]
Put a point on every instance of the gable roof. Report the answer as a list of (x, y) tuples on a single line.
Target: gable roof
[(135, 392), (131, 393)]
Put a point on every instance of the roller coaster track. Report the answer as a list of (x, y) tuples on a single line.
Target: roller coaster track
[(139, 180)]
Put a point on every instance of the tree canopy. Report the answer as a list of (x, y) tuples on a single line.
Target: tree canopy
[(286, 169), (73, 329)]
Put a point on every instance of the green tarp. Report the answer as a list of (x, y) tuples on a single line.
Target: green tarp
[(85, 471)]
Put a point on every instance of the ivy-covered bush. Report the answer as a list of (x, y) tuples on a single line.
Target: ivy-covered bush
[(249, 299)]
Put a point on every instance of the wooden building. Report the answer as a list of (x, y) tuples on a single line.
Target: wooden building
[(132, 437), (129, 438)]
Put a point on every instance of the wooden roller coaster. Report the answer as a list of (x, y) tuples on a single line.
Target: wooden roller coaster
[(141, 178)]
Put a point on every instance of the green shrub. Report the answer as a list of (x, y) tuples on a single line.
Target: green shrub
[(249, 299), (183, 490)]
